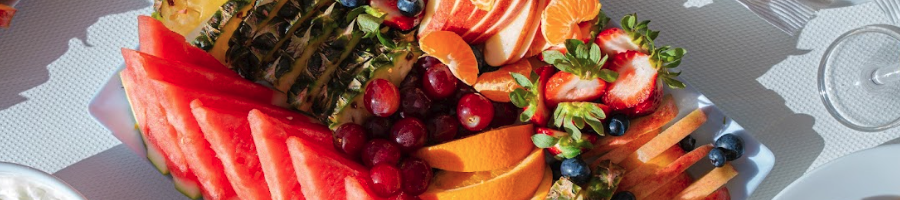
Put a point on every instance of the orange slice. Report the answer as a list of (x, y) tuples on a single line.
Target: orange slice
[(517, 182), (497, 85), (484, 5), (453, 51), (544, 188), (561, 18), (491, 150)]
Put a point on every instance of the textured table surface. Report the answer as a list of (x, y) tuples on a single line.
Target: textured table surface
[(58, 54)]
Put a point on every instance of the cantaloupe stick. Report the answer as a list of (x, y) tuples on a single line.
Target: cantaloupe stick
[(672, 188), (709, 183), (666, 139), (650, 184), (642, 125), (643, 171), (619, 154)]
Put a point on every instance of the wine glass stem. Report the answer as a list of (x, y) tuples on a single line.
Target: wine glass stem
[(886, 75)]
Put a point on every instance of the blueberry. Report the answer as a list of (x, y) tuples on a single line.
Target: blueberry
[(717, 156), (617, 125), (624, 195), (354, 3), (483, 67), (576, 169), (687, 144), (733, 146), (410, 8)]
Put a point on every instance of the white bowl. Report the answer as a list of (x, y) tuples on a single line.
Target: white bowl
[(28, 175)]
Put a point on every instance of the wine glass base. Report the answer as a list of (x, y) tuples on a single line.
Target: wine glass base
[(846, 83)]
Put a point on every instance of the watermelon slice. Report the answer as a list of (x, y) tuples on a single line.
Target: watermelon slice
[(322, 171), (198, 77), (156, 39), (158, 132), (201, 158), (269, 134)]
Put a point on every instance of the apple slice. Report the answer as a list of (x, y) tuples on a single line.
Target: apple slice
[(437, 13), (673, 188), (458, 21), (666, 139), (495, 20), (666, 112), (619, 154), (508, 45), (643, 187), (709, 183)]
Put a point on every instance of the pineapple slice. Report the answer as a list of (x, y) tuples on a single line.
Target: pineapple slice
[(185, 16)]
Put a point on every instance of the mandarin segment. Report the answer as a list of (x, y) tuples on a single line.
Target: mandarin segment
[(452, 50), (491, 150), (498, 84), (561, 17)]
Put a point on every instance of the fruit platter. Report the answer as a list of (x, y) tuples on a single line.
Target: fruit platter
[(420, 99)]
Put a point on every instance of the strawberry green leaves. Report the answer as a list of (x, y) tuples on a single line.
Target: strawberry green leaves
[(667, 58), (581, 60), (528, 97), (639, 32), (561, 142), (572, 116)]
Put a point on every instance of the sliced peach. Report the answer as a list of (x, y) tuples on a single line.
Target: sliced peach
[(666, 139), (617, 155), (671, 189), (666, 112), (651, 182), (709, 183)]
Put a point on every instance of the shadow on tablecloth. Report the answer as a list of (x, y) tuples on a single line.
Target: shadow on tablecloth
[(118, 173), (728, 49), (40, 34)]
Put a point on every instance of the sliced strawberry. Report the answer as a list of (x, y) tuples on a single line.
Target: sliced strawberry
[(568, 87), (531, 98), (563, 145), (393, 17), (648, 106), (633, 36), (636, 82)]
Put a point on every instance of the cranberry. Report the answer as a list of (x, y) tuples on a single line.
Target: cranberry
[(382, 98), (504, 114), (475, 112), (416, 175), (415, 103), (350, 139), (385, 179), (442, 128), (439, 82), (409, 133), (380, 151), (378, 127)]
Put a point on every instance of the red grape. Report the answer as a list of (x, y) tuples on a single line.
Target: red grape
[(415, 103), (404, 196), (350, 139), (504, 114), (409, 133), (381, 98), (378, 127), (475, 112), (412, 80), (416, 175), (442, 128), (378, 151), (424, 63), (385, 179), (438, 82)]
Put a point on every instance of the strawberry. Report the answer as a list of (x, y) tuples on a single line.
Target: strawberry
[(531, 96), (581, 76), (638, 91), (562, 144), (392, 16), (632, 36)]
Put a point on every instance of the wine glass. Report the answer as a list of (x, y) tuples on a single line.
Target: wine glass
[(859, 75)]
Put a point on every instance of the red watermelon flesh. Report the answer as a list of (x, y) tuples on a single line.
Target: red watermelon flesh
[(160, 134), (320, 171), (156, 39), (201, 158), (357, 190), (269, 135), (229, 136), (197, 77)]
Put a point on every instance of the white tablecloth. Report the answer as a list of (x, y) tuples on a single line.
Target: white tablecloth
[(58, 54)]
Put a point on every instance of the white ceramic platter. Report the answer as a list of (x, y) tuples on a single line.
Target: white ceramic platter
[(872, 174), (110, 107)]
